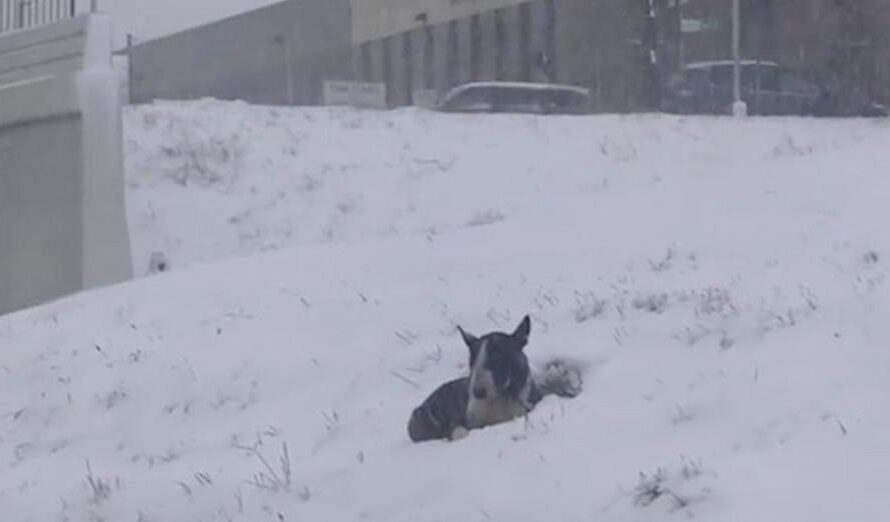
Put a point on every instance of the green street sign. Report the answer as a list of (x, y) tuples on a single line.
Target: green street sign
[(699, 25), (711, 24)]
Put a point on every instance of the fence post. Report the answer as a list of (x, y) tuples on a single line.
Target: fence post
[(129, 68)]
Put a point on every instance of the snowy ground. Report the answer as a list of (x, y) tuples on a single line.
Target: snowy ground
[(724, 282)]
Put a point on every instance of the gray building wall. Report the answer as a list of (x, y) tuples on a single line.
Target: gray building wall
[(596, 48), (420, 48), (275, 55), (591, 43)]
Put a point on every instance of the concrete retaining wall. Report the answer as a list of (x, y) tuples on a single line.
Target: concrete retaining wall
[(62, 212)]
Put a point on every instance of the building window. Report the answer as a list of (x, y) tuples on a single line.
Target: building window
[(429, 58), (386, 52), (525, 37), (548, 57), (451, 58), (408, 61), (475, 47), (500, 40), (367, 65)]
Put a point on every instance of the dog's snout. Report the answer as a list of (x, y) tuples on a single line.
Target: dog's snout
[(479, 392)]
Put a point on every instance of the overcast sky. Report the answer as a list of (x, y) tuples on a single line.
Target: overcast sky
[(153, 18)]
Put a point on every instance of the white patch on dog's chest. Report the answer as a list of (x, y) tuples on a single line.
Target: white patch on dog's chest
[(494, 410)]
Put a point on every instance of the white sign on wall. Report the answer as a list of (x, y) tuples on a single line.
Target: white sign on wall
[(690, 25), (698, 25), (355, 94)]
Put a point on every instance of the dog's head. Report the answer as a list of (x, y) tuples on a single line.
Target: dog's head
[(498, 367)]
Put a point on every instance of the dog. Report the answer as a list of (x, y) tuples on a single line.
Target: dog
[(499, 388)]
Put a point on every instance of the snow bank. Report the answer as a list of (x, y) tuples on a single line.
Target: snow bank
[(724, 282)]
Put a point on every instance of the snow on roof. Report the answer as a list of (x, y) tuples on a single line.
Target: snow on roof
[(524, 86), (521, 85), (713, 63)]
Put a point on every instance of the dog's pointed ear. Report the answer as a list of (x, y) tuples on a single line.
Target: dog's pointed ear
[(471, 341), (523, 330)]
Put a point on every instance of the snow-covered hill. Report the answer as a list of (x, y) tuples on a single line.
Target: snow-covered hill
[(724, 282)]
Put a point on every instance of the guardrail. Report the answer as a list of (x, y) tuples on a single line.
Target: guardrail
[(24, 14)]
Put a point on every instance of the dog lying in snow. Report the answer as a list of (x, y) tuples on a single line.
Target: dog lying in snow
[(500, 388)]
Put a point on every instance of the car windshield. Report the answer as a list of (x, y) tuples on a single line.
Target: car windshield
[(791, 83), (565, 99), (754, 76), (721, 75), (505, 98), (515, 98), (472, 99)]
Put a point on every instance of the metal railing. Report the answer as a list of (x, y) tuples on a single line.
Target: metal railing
[(24, 14)]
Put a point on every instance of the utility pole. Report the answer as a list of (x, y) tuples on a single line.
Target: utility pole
[(284, 41), (739, 108), (652, 87), (681, 60), (290, 74), (129, 67)]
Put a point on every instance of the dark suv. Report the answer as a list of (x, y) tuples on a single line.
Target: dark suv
[(767, 88)]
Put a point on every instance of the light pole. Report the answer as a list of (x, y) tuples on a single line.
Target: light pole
[(650, 43), (739, 108)]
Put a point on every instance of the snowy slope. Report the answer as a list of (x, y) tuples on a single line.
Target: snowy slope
[(724, 283)]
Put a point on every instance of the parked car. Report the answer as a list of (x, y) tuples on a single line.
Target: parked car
[(766, 87), (517, 97)]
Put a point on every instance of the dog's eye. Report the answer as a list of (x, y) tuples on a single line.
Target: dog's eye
[(502, 377)]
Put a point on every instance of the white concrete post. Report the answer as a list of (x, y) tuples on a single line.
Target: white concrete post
[(739, 108)]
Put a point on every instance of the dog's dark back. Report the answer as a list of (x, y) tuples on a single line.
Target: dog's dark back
[(441, 413)]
